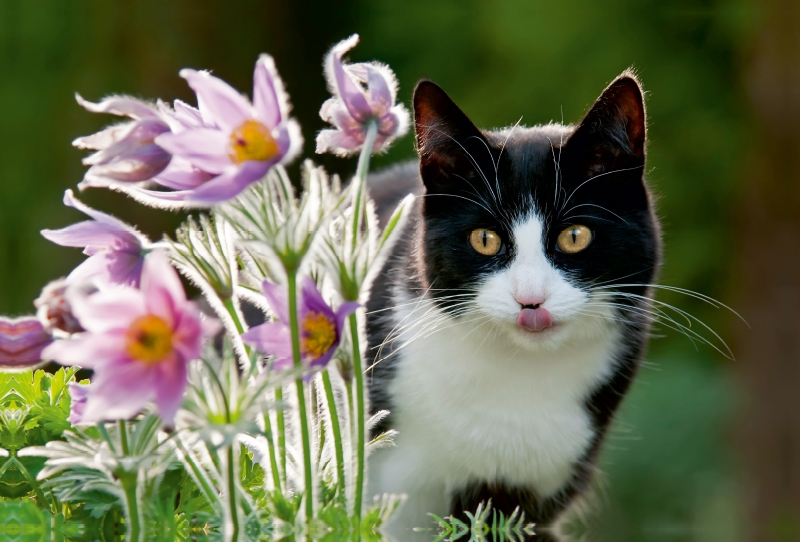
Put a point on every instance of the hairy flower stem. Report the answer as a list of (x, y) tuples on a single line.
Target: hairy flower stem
[(360, 420), (301, 398), (273, 463), (134, 530), (281, 430), (337, 433), (359, 203), (232, 529)]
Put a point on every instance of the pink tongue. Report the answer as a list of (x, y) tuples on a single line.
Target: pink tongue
[(535, 319)]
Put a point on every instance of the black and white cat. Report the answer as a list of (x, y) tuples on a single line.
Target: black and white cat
[(509, 322)]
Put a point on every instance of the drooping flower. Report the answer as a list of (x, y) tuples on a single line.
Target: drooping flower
[(115, 249), (320, 327), (138, 342), (362, 93), (54, 307), (233, 140), (125, 152), (78, 394), (21, 342)]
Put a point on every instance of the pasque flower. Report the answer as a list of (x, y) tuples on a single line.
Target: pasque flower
[(320, 327), (125, 152), (116, 250), (21, 342), (231, 139), (364, 92), (138, 342), (78, 394)]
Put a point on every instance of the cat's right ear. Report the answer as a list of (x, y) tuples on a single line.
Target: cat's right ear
[(450, 146)]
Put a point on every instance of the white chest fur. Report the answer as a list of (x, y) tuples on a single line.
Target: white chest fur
[(472, 406)]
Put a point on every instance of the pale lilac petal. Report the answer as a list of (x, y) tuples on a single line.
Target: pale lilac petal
[(277, 297), (115, 267), (162, 288), (265, 97), (345, 310), (95, 234), (381, 94), (311, 300), (273, 338), (231, 182), (205, 148), (86, 349), (103, 138), (78, 394), (21, 342), (228, 108), (170, 384), (119, 105), (188, 115), (119, 391), (71, 201), (139, 165), (342, 84), (107, 310), (181, 175), (338, 142), (136, 139)]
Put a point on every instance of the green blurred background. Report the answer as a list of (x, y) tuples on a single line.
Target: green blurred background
[(705, 448)]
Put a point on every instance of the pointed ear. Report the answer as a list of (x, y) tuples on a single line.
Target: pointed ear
[(614, 129), (448, 143)]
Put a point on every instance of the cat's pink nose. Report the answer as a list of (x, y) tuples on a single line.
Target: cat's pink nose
[(535, 319)]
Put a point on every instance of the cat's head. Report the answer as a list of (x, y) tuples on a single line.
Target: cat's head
[(548, 232)]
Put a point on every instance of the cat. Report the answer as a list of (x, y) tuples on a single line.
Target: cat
[(510, 319)]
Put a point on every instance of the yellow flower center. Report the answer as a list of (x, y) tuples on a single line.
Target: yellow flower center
[(319, 334), (252, 141), (149, 339)]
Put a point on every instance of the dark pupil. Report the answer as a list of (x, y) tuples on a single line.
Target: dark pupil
[(574, 236), (484, 237)]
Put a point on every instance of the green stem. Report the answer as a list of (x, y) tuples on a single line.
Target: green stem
[(337, 433), (360, 420), (123, 437), (234, 316), (301, 398), (361, 177), (281, 430), (232, 528), (273, 463), (134, 531)]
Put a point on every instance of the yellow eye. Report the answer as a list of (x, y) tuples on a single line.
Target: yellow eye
[(485, 242), (574, 239)]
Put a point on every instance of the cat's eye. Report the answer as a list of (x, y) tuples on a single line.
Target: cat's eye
[(574, 239), (485, 241)]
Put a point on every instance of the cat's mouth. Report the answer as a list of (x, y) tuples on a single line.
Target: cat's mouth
[(534, 320)]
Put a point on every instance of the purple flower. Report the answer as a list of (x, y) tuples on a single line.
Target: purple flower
[(139, 343), (320, 327), (362, 92), (115, 249), (54, 306), (21, 342), (78, 394), (233, 141), (125, 152)]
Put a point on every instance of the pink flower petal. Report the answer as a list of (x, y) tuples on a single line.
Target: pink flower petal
[(91, 233), (180, 175), (109, 309), (162, 289), (111, 266), (86, 349), (71, 201), (278, 300), (231, 182), (170, 384), (338, 142), (188, 334), (381, 94), (204, 148), (228, 108), (265, 96), (273, 338), (119, 391)]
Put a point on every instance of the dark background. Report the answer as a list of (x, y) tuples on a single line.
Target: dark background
[(705, 448)]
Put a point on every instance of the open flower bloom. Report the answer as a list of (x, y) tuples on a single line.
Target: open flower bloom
[(21, 342), (362, 93), (320, 327), (233, 141), (115, 249), (138, 342), (125, 152)]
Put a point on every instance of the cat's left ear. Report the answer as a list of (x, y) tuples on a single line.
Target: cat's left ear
[(612, 134)]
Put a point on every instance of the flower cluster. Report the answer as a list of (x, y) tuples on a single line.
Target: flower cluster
[(123, 312)]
